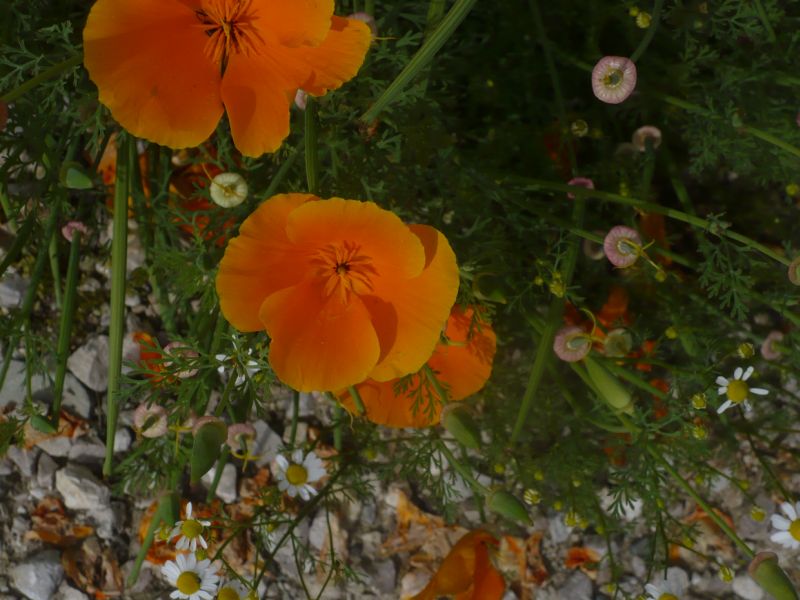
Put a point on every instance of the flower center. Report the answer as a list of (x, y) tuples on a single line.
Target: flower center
[(296, 474), (191, 528), (737, 391), (188, 582), (613, 78), (667, 597), (578, 341), (794, 529), (229, 27), (626, 246), (344, 271), (227, 593)]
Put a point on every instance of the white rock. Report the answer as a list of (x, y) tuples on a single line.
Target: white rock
[(66, 592), (122, 440), (56, 446), (12, 290), (326, 525), (746, 588), (14, 387), (24, 459), (76, 398), (577, 587), (413, 583), (267, 445), (87, 450), (384, 576), (89, 363), (226, 488), (37, 578), (81, 489), (45, 472)]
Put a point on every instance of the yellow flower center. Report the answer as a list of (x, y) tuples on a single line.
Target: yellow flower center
[(737, 391), (613, 78), (191, 528), (188, 582), (344, 270), (794, 529), (667, 597), (227, 593), (296, 474)]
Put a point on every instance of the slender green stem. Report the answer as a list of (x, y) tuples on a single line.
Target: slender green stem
[(702, 503), (424, 55), (52, 252), (762, 14), (357, 400), (537, 184), (651, 31), (65, 325), (6, 206), (19, 243), (465, 473), (283, 171), (369, 7), (311, 151), (119, 252), (49, 73), (295, 416)]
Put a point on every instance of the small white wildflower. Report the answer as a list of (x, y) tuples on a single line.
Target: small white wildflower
[(669, 587), (788, 529), (296, 476), (243, 372), (194, 580), (190, 531), (737, 390)]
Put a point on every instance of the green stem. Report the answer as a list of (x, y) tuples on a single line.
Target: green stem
[(49, 73), (65, 325), (478, 487), (651, 31), (424, 55), (19, 243), (52, 252), (283, 171), (702, 503), (221, 462), (357, 400), (295, 416), (538, 184), (119, 251), (369, 7), (311, 151)]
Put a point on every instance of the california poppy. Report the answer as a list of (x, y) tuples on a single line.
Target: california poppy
[(462, 365), (167, 69), (344, 288), (467, 573)]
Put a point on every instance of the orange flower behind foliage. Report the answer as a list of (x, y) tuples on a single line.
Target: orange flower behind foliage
[(167, 69), (344, 288), (151, 357), (467, 573), (462, 365)]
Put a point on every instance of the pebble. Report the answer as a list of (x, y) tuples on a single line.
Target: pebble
[(37, 578), (12, 290), (267, 444), (45, 472), (384, 576), (23, 459), (577, 587), (56, 446), (87, 451), (226, 489), (81, 489), (12, 390), (746, 588), (89, 363), (67, 592)]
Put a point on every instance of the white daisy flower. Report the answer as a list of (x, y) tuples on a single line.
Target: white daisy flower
[(788, 530), (737, 390), (194, 580), (670, 587), (234, 590), (190, 531), (295, 476)]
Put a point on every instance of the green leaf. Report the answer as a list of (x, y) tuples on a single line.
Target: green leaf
[(40, 423), (73, 177), (207, 447)]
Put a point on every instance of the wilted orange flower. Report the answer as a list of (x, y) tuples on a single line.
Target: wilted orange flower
[(344, 288), (167, 69), (462, 365), (467, 573)]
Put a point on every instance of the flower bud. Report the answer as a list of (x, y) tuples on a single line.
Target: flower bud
[(459, 423), (766, 572), (508, 506), (608, 386), (794, 271), (746, 350), (228, 190), (757, 514), (579, 128), (699, 401), (532, 497)]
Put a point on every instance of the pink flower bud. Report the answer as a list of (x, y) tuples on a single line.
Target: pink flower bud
[(572, 344), (301, 99), (150, 421), (648, 132), (768, 350), (68, 229)]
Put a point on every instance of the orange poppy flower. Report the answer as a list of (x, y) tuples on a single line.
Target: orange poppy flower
[(344, 288), (167, 69), (462, 365), (467, 573)]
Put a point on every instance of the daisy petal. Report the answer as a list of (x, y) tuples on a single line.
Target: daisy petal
[(725, 406), (737, 374), (759, 391), (747, 373), (722, 391), (722, 381), (789, 510), (779, 522)]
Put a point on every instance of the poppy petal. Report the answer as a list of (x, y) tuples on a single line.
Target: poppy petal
[(259, 262), (422, 305), (256, 95), (338, 58), (318, 341), (385, 407), (465, 364), (148, 60), (488, 583), (295, 23)]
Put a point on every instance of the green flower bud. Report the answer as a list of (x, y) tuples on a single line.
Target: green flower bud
[(506, 505), (766, 572), (460, 424), (609, 387)]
